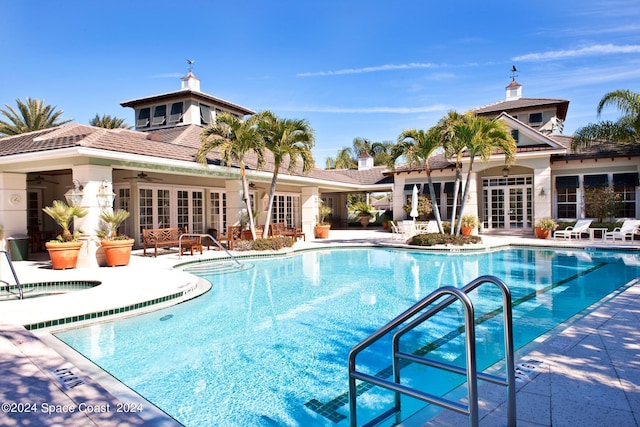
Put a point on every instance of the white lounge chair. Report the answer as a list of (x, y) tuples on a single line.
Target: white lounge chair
[(395, 230), (580, 227), (407, 228), (628, 229)]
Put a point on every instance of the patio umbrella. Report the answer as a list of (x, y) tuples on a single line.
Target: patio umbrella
[(414, 203)]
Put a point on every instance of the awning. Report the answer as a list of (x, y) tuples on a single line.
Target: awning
[(448, 187), (625, 179), (436, 188), (408, 188), (564, 182), (596, 181)]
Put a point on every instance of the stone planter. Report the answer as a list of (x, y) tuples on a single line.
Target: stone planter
[(117, 252), (322, 231), (63, 255), (542, 233)]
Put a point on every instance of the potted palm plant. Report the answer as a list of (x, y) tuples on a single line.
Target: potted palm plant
[(65, 249), (364, 211), (544, 227), (117, 249), (322, 227), (467, 224)]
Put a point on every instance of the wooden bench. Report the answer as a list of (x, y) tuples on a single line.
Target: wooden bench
[(167, 238)]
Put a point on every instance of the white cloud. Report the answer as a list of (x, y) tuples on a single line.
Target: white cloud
[(599, 49), (387, 67)]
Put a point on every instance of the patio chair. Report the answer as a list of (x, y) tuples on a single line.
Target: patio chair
[(580, 227), (628, 229), (407, 228), (395, 230)]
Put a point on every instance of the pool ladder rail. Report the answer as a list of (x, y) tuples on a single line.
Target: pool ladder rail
[(213, 239), (15, 277), (412, 318)]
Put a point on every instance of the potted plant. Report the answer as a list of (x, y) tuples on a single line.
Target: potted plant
[(117, 249), (364, 211), (65, 249), (322, 228), (385, 221), (467, 224), (544, 227)]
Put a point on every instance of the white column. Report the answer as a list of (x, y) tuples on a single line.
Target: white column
[(309, 203), (91, 178)]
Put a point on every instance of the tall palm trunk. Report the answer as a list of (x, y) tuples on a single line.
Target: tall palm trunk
[(247, 200), (434, 201), (464, 199), (456, 190), (272, 196)]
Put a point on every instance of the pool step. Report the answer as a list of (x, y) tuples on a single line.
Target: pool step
[(218, 268)]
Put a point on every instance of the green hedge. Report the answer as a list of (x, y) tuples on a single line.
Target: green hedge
[(432, 239)]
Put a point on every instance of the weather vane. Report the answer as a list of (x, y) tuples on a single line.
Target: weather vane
[(514, 70), (190, 62)]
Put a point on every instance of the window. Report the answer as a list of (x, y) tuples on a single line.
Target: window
[(535, 118), (625, 185), (567, 196), (123, 201), (176, 113), (286, 208), (218, 218), (515, 133), (205, 115), (159, 115), (143, 117)]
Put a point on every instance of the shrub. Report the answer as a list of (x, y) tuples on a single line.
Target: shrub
[(432, 239), (271, 244)]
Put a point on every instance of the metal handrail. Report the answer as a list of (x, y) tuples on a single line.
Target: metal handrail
[(15, 276), (214, 241), (472, 375)]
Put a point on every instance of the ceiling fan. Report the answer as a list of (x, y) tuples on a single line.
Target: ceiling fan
[(144, 177), (39, 179)]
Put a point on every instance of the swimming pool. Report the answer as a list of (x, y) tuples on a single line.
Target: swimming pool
[(269, 345)]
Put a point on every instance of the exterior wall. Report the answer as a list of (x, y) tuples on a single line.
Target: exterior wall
[(591, 167), (13, 205)]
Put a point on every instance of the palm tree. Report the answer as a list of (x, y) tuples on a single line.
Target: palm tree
[(487, 135), (455, 137), (626, 129), (344, 160), (33, 114), (234, 138), (416, 146), (285, 138), (109, 122)]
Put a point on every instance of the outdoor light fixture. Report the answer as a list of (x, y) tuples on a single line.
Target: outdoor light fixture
[(505, 172), (542, 192), (105, 196), (74, 195)]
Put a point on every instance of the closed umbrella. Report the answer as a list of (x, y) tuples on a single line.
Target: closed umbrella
[(414, 203)]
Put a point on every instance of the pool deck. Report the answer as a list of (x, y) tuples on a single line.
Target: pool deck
[(584, 373)]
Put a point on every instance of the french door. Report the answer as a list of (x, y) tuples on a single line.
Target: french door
[(508, 203)]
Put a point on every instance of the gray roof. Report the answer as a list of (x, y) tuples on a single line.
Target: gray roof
[(521, 104), (177, 143), (597, 150), (185, 93)]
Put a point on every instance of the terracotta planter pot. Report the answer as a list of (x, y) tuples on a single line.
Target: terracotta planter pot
[(63, 255), (117, 252), (322, 231), (542, 233), (466, 231), (364, 220)]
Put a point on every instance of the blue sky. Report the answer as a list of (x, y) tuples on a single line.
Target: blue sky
[(352, 68)]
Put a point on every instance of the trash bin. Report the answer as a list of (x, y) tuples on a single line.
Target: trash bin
[(19, 247)]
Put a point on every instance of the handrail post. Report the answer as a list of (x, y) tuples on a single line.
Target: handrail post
[(15, 276)]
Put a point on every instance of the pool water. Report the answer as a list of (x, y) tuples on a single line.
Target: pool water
[(268, 345)]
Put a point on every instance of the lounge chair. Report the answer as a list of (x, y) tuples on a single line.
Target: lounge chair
[(628, 229), (407, 228), (580, 227), (395, 230)]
